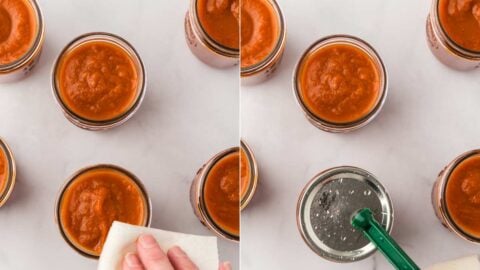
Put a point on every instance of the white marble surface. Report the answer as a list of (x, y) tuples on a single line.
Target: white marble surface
[(429, 118), (185, 119)]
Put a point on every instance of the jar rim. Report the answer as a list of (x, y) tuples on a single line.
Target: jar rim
[(217, 229), (36, 45), (205, 38), (277, 50), (72, 178), (116, 40), (443, 189), (383, 88), (11, 174), (253, 181), (449, 42)]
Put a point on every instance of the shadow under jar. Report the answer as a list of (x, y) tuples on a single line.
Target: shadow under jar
[(92, 199), (456, 196), (215, 194), (327, 205), (341, 84), (212, 32), (248, 174), (99, 81), (7, 172), (453, 33), (263, 39), (22, 33)]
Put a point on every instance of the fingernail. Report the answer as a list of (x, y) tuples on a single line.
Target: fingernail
[(177, 251), (227, 265), (147, 241), (132, 260)]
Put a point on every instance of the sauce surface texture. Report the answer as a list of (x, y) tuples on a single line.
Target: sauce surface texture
[(94, 200), (97, 80), (461, 21), (244, 173), (222, 193), (462, 196), (260, 31), (339, 83), (18, 27), (220, 19), (3, 170)]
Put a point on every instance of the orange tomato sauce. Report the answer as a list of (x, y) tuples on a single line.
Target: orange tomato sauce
[(461, 21), (221, 193), (94, 200), (462, 196), (97, 80), (220, 20), (3, 170), (18, 28), (339, 83), (260, 31), (244, 173)]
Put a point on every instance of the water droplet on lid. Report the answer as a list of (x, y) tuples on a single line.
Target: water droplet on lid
[(317, 214), (367, 192), (351, 192)]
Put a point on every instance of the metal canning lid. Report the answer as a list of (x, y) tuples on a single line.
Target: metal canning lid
[(36, 46), (326, 207), (451, 45), (442, 187), (71, 179), (202, 208), (253, 181), (205, 38), (141, 88), (277, 50), (6, 191), (370, 51)]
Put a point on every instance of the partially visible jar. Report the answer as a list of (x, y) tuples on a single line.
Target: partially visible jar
[(215, 194), (214, 45), (442, 45), (8, 172), (456, 196), (263, 40), (28, 18), (248, 174), (341, 83), (99, 81)]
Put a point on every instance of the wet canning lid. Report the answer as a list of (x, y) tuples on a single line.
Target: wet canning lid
[(326, 207)]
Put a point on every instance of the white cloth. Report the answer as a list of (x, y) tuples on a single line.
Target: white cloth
[(467, 263), (121, 239)]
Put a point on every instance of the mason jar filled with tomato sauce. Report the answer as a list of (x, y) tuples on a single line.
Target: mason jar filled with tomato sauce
[(22, 32), (453, 33), (99, 81), (215, 194), (456, 196), (212, 31), (248, 174), (92, 199), (341, 84), (7, 172), (263, 39)]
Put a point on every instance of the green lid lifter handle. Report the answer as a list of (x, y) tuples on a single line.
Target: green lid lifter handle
[(364, 221)]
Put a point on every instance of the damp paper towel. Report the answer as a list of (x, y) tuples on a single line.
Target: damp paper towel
[(467, 263), (121, 239)]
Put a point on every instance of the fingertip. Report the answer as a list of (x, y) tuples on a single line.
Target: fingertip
[(226, 266), (132, 262)]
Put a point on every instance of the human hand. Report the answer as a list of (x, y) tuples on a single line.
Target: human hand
[(151, 257)]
